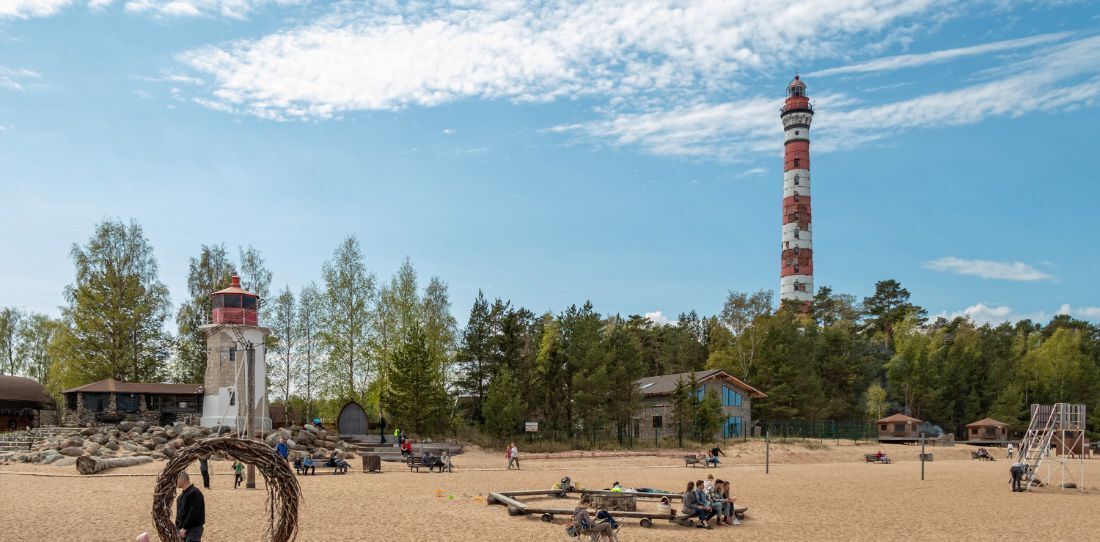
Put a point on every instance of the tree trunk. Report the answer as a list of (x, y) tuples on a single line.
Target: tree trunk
[(91, 465)]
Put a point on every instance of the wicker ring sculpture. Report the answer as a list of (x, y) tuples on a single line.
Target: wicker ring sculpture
[(283, 492)]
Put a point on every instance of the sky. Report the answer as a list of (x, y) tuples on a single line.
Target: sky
[(623, 152)]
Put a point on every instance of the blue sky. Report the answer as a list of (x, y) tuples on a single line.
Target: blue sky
[(552, 152)]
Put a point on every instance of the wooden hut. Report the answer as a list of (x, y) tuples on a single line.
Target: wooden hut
[(22, 401), (898, 428), (987, 431)]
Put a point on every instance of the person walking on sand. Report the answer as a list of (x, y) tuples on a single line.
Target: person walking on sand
[(190, 510), (1009, 447), (204, 470), (238, 474), (513, 456)]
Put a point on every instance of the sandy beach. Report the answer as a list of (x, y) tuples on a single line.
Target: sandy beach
[(809, 494)]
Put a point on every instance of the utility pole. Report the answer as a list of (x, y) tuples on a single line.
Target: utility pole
[(250, 372)]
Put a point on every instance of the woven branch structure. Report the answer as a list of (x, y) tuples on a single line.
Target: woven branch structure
[(283, 493)]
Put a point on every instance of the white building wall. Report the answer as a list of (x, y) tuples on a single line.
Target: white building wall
[(227, 383)]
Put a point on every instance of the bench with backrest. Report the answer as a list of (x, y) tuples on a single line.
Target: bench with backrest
[(339, 466), (301, 468), (874, 458)]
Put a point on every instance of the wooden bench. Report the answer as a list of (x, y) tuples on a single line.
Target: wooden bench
[(418, 462), (874, 458), (301, 469), (337, 468)]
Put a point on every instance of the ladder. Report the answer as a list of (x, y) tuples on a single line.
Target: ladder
[(1036, 445)]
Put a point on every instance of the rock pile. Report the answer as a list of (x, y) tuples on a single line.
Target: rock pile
[(129, 439)]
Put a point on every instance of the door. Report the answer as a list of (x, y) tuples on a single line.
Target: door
[(352, 420)]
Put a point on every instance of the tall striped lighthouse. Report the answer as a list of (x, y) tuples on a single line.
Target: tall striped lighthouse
[(796, 275)]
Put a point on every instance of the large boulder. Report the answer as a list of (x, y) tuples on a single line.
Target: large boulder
[(160, 440), (72, 451), (176, 443), (168, 451), (125, 426), (111, 445), (128, 446), (171, 432), (273, 439), (222, 430), (89, 431)]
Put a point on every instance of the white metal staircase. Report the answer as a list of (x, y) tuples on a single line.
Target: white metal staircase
[(1060, 420)]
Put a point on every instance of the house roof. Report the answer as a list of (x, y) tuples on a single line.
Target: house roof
[(18, 389), (112, 385), (899, 417), (666, 384), (987, 422)]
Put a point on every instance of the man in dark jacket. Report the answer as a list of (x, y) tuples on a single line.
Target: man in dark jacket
[(190, 510)]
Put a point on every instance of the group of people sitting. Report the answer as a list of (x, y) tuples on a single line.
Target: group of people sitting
[(710, 499), (710, 457), (306, 465), (443, 462)]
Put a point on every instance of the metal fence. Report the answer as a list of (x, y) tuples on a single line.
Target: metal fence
[(821, 430)]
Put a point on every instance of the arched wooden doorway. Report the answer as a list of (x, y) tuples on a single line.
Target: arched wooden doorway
[(352, 420)]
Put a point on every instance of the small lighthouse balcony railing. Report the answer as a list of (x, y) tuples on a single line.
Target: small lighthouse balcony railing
[(797, 105)]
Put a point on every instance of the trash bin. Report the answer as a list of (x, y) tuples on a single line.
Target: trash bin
[(372, 463)]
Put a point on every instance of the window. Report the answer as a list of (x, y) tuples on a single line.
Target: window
[(796, 180), (232, 301), (96, 402), (733, 427), (730, 397), (882, 427), (232, 353), (249, 302), (150, 401), (796, 162), (899, 427), (796, 233), (657, 422), (232, 397), (127, 402), (699, 393), (219, 301)]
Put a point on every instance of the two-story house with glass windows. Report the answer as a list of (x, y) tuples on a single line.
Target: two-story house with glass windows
[(654, 419)]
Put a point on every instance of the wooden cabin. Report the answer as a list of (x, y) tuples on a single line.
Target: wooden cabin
[(898, 428), (987, 431)]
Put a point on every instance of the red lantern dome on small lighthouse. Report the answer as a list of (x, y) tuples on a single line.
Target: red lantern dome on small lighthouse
[(235, 305)]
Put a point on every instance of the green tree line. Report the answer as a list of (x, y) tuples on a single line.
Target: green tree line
[(394, 346)]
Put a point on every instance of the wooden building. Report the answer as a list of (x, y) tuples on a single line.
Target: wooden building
[(898, 428), (22, 401), (112, 401), (987, 432)]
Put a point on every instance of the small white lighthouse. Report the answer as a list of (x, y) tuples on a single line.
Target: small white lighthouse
[(796, 275), (236, 371)]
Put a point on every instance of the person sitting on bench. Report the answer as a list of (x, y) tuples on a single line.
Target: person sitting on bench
[(426, 460), (695, 507), (308, 465), (984, 454)]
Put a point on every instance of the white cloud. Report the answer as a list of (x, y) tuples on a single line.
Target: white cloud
[(1084, 313), (898, 62), (12, 78), (23, 9), (1057, 78), (753, 171), (982, 313), (448, 131), (95, 5), (988, 269), (657, 317), (438, 52), (236, 9)]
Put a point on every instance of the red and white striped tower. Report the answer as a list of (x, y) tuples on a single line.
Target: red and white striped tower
[(796, 276)]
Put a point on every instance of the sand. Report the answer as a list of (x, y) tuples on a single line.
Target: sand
[(810, 494)]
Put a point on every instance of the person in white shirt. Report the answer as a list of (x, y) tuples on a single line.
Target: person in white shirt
[(1010, 450)]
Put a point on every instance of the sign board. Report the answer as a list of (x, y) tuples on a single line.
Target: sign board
[(531, 427)]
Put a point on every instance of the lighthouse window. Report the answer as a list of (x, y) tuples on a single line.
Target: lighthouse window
[(796, 161), (232, 301), (219, 301), (796, 234), (249, 302), (796, 180), (232, 398), (232, 353), (796, 132)]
